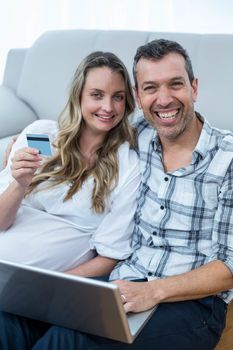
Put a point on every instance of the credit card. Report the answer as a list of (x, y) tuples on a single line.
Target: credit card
[(40, 142)]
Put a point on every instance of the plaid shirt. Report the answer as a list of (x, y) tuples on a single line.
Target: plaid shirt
[(184, 218)]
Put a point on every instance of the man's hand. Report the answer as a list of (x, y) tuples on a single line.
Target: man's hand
[(8, 150), (209, 279), (136, 296)]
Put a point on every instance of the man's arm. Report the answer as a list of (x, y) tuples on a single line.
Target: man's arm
[(210, 279), (206, 280)]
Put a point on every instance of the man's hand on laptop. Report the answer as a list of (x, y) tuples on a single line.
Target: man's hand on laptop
[(136, 296)]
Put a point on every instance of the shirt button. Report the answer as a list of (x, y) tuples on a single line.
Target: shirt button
[(150, 274), (224, 295), (166, 178), (154, 232), (162, 207)]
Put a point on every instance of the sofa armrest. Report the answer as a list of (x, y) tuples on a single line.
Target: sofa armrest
[(14, 113), (3, 145), (13, 68)]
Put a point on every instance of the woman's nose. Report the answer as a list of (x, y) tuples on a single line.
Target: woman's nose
[(107, 104)]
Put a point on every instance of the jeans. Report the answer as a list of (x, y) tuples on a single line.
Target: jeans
[(186, 325)]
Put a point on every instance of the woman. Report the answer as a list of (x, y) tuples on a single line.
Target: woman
[(59, 212)]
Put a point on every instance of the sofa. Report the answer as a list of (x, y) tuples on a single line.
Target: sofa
[(36, 81)]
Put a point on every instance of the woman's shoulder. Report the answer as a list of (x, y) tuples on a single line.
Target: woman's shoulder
[(127, 156), (43, 126), (129, 170)]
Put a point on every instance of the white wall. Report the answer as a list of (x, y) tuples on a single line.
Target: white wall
[(22, 21)]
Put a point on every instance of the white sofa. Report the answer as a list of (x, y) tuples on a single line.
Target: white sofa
[(36, 80)]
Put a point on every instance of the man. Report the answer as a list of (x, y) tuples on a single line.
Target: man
[(183, 235)]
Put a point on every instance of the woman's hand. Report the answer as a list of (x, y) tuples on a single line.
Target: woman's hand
[(24, 165)]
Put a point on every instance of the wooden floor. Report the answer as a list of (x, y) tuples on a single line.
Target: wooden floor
[(226, 341)]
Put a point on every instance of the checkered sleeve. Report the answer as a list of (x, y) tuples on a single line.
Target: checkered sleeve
[(223, 223)]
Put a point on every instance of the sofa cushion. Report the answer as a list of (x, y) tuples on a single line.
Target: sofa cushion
[(51, 62), (14, 114)]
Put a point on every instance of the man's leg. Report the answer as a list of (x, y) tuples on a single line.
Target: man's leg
[(19, 333), (187, 325)]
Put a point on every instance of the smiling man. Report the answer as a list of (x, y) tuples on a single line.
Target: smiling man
[(183, 235)]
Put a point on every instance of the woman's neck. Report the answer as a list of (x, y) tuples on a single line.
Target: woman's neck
[(89, 143)]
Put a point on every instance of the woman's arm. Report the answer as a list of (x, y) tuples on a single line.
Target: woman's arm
[(98, 266), (24, 164), (114, 235), (112, 239), (10, 201)]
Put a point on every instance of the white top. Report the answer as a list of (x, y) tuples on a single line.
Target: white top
[(57, 235)]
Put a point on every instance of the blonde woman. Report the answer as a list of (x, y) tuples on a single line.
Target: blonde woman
[(74, 211)]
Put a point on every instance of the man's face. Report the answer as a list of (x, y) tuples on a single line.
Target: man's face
[(166, 95)]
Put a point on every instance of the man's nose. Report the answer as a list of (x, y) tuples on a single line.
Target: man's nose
[(164, 97)]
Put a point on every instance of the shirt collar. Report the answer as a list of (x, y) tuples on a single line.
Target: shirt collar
[(202, 146)]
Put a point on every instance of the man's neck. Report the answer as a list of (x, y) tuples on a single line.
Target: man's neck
[(177, 153)]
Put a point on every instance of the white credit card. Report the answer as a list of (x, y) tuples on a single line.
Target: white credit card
[(40, 142)]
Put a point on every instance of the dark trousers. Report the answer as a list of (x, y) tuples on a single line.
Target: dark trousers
[(187, 325)]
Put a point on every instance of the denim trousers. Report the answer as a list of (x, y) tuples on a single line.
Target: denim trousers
[(186, 325)]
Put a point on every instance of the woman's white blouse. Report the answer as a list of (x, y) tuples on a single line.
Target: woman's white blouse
[(50, 233)]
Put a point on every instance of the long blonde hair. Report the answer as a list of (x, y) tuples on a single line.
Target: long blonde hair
[(68, 165)]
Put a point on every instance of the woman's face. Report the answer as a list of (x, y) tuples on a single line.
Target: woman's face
[(103, 100)]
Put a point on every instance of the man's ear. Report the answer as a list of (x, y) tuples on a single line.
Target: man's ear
[(194, 89), (137, 99)]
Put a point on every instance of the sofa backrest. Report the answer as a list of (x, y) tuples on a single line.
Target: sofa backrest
[(50, 63)]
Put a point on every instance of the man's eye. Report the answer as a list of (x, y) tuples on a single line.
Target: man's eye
[(149, 88), (177, 84)]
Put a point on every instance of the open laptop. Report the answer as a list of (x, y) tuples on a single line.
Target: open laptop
[(83, 304)]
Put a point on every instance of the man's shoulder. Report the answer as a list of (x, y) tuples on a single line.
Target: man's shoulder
[(143, 126), (222, 139)]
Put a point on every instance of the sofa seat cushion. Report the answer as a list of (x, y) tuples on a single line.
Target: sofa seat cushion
[(14, 113)]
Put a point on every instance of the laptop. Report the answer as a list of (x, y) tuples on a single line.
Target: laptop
[(79, 303)]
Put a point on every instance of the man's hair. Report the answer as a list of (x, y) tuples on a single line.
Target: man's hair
[(156, 50)]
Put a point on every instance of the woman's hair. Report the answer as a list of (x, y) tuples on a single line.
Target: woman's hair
[(68, 165)]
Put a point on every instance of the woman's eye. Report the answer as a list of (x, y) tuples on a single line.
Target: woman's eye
[(96, 94), (118, 97)]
